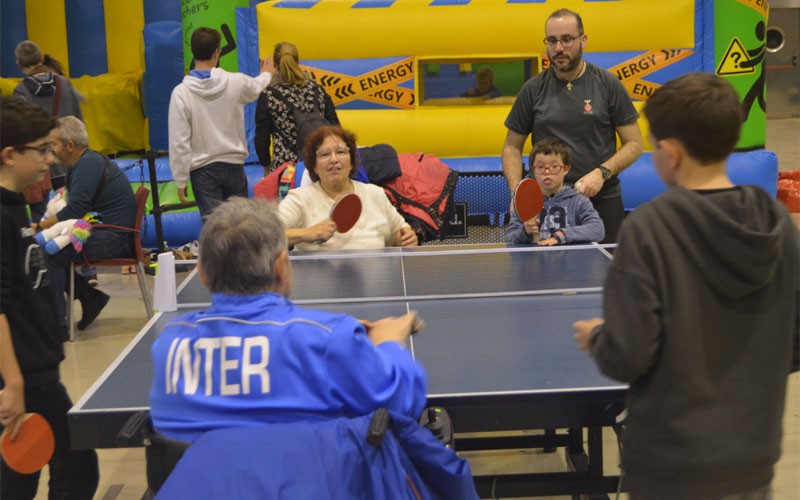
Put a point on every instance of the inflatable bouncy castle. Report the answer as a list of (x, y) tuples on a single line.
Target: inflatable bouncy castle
[(398, 71)]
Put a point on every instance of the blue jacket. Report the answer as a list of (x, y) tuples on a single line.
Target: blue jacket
[(330, 460), (566, 210), (252, 360)]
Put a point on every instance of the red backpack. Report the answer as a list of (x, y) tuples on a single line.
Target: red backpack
[(423, 194)]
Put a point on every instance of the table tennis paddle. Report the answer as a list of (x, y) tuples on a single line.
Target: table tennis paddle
[(346, 212), (33, 447), (528, 199)]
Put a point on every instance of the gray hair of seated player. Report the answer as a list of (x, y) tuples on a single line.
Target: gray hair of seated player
[(28, 54), (239, 243), (72, 129)]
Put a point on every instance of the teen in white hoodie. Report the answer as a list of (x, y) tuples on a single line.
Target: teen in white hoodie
[(207, 141)]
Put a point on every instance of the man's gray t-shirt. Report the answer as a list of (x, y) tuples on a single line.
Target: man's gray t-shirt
[(585, 117)]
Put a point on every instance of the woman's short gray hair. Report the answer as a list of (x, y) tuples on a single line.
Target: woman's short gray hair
[(72, 129), (239, 244)]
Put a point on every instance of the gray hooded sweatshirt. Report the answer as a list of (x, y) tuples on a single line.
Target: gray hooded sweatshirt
[(565, 210), (702, 314), (41, 89)]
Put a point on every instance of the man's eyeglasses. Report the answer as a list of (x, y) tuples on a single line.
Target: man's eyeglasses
[(566, 40), (43, 149), (326, 154), (540, 169)]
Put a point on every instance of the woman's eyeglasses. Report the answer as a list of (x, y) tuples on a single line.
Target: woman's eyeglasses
[(327, 154)]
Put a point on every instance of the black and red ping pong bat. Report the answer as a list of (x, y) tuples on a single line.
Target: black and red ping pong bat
[(346, 212), (32, 448), (528, 199)]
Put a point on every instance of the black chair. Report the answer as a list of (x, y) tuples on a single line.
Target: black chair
[(161, 453)]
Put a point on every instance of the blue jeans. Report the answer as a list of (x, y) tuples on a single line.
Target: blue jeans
[(102, 244), (215, 183)]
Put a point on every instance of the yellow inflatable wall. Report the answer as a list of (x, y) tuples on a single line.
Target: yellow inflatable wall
[(113, 108)]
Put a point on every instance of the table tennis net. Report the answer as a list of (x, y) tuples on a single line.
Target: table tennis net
[(434, 274)]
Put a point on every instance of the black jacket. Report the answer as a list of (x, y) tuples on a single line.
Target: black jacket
[(25, 295)]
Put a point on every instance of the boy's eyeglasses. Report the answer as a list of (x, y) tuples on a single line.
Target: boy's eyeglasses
[(43, 149), (566, 40), (326, 154), (540, 169)]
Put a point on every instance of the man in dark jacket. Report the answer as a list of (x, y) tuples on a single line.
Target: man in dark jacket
[(94, 184), (702, 310), (30, 342)]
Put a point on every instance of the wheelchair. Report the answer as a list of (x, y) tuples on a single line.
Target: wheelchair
[(162, 453)]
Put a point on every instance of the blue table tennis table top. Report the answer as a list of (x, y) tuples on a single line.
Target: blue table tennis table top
[(498, 324)]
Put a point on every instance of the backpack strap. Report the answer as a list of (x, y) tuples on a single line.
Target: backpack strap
[(279, 95), (103, 181), (57, 100)]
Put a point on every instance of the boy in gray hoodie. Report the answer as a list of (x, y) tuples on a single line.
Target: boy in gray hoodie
[(567, 217), (702, 310)]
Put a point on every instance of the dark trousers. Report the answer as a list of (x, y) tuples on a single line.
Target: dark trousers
[(612, 213), (215, 183), (763, 493), (74, 474), (38, 210), (102, 244)]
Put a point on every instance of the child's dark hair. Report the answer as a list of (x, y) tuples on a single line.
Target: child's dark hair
[(701, 111), (550, 146), (22, 122)]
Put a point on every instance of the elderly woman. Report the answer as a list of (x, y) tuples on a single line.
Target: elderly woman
[(330, 158)]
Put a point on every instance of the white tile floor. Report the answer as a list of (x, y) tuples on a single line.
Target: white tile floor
[(122, 470)]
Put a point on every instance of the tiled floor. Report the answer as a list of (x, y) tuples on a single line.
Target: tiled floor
[(122, 470)]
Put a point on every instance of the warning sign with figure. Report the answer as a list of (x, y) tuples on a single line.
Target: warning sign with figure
[(733, 62)]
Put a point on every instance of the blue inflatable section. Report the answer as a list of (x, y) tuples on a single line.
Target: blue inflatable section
[(484, 189), (13, 29), (249, 63), (641, 183), (86, 37), (163, 59), (179, 228), (161, 10)]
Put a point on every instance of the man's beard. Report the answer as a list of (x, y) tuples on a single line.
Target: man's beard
[(572, 63)]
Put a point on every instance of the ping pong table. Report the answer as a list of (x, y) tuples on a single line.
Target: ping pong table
[(498, 349)]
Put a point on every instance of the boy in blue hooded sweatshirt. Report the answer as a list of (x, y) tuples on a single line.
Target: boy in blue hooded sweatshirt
[(567, 217)]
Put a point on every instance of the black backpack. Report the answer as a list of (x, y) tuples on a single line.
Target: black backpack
[(304, 123)]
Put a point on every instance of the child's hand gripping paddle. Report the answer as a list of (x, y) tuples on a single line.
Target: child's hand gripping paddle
[(528, 199), (32, 448), (346, 212)]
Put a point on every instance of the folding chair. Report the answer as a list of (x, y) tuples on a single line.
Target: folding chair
[(137, 261)]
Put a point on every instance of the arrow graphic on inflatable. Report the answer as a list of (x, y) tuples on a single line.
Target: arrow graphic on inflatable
[(379, 85)]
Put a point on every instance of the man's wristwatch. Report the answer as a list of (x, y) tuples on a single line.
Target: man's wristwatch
[(606, 172)]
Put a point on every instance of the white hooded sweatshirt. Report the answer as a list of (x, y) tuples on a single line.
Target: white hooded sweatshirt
[(206, 120)]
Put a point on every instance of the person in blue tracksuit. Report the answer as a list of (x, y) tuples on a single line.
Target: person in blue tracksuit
[(253, 357), (567, 217)]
